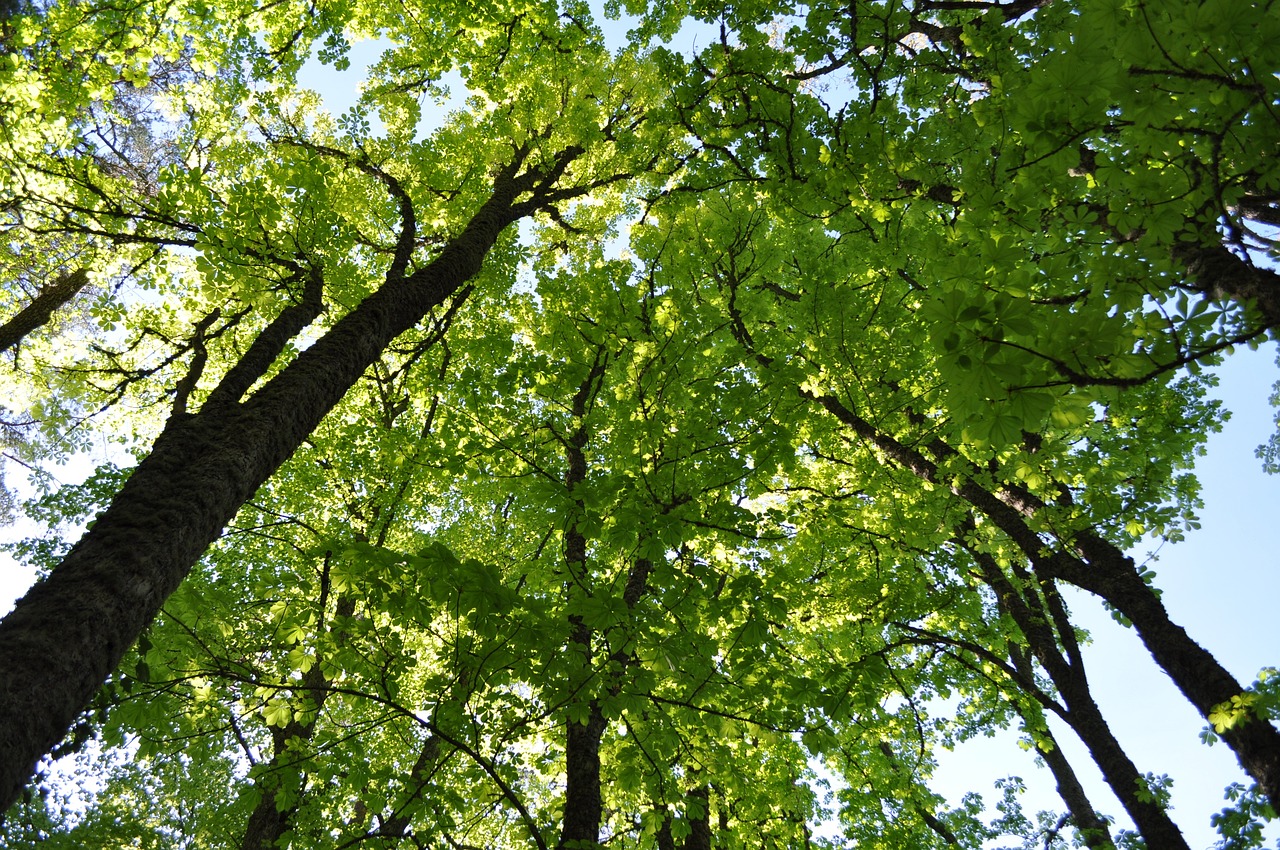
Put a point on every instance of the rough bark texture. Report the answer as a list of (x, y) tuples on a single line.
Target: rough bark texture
[(700, 827), (429, 757), (700, 835), (1093, 829), (583, 803), (38, 312), (66, 636), (1219, 273), (1111, 575), (267, 823), (663, 837)]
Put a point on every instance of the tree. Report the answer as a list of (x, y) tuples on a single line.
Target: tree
[(520, 540), (242, 441)]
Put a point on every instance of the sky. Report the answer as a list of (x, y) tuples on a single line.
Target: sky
[(1220, 584)]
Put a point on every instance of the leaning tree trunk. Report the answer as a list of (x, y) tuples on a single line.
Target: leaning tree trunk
[(38, 312), (1110, 574), (1093, 829), (66, 636)]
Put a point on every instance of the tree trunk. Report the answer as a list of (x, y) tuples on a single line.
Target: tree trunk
[(583, 800), (268, 822), (700, 827), (38, 312), (1093, 829), (1219, 273), (700, 836), (1092, 826), (1111, 575), (583, 803), (1120, 773), (66, 636)]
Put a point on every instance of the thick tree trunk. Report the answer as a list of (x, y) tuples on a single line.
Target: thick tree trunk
[(267, 823), (38, 312), (66, 636), (700, 835), (583, 802), (700, 826), (1118, 770), (1219, 273)]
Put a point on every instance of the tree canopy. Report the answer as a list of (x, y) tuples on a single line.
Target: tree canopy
[(623, 455)]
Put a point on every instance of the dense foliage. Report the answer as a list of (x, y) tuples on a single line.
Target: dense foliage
[(621, 456)]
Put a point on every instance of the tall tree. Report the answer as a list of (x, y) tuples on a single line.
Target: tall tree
[(65, 637), (816, 362)]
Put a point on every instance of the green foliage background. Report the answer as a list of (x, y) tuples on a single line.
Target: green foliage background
[(830, 352)]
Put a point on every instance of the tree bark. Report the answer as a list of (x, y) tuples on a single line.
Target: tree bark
[(583, 802), (1093, 829), (700, 835), (268, 822), (700, 827), (1219, 273), (65, 637), (1092, 826), (38, 312)]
